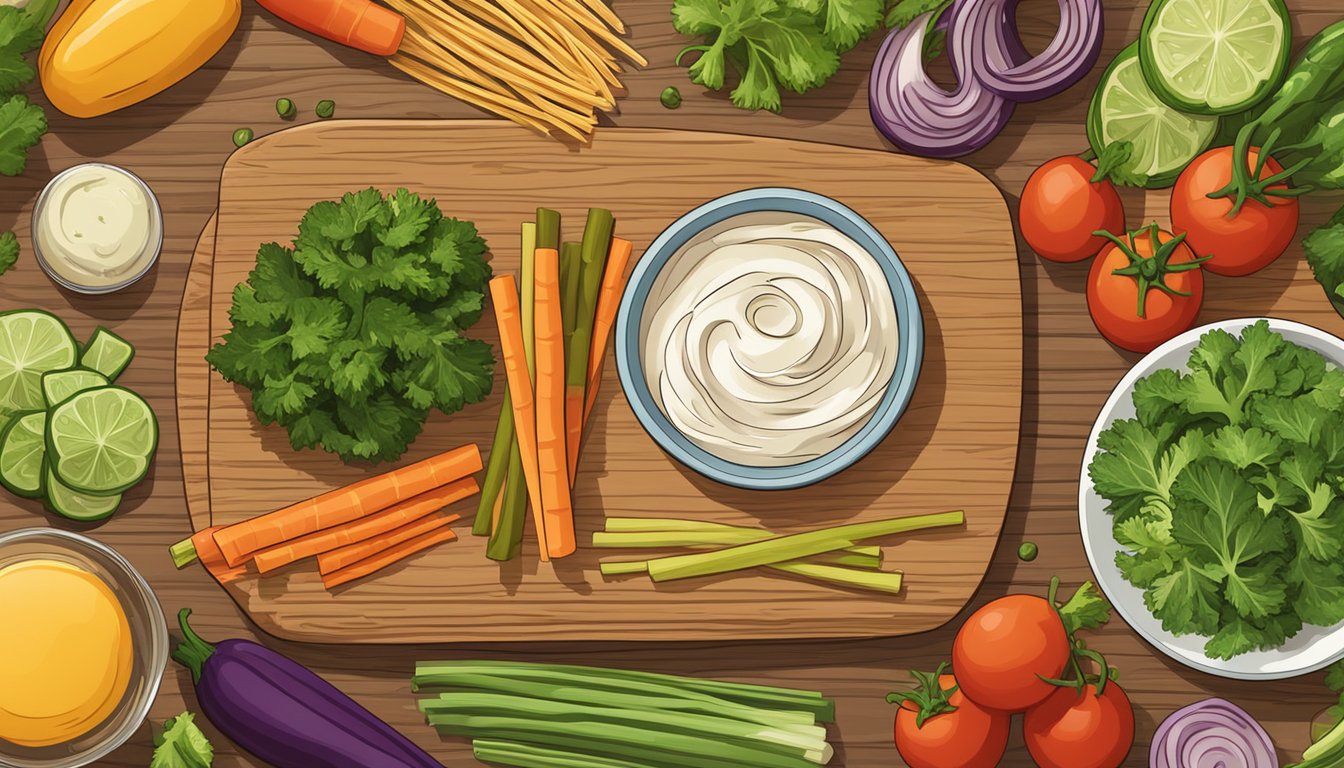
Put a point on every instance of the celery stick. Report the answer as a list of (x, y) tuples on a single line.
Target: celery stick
[(792, 547), (548, 228), (495, 469), (527, 288), (597, 231), (696, 535), (618, 740), (507, 538), (641, 696), (876, 581), (437, 673), (571, 270), (537, 756), (791, 740)]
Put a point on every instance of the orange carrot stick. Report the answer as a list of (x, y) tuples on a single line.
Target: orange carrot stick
[(551, 433), (360, 24), (374, 525), (609, 300), (504, 296), (387, 557), (207, 551), (343, 505), (336, 559)]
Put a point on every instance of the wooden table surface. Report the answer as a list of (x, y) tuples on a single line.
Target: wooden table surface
[(178, 141)]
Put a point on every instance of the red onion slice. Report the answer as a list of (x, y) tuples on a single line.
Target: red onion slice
[(994, 56), (1213, 733), (917, 114)]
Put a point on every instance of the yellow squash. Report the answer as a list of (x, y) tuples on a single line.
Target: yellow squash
[(103, 55)]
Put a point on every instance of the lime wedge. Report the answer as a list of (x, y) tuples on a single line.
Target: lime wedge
[(57, 386), (1214, 57), (107, 353), (1124, 108), (74, 505), (32, 342), (100, 441), (22, 449)]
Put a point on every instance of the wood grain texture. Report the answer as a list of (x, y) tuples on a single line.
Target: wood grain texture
[(178, 142), (967, 401)]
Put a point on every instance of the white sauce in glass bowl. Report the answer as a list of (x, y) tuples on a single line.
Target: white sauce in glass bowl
[(769, 339), (97, 226)]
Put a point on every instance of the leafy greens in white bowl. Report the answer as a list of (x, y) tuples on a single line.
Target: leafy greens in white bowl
[(1211, 501)]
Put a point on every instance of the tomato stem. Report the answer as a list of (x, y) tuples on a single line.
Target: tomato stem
[(1245, 186), (1112, 157), (928, 696), (1151, 272)]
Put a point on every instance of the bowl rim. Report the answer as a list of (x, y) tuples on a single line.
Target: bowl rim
[(899, 391), (153, 671), (1108, 577), (156, 246)]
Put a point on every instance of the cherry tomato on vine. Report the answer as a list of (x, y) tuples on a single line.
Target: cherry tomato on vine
[(1081, 727), (1063, 204), (1144, 289), (938, 727)]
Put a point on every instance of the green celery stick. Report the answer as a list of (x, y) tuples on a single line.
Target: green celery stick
[(537, 756)]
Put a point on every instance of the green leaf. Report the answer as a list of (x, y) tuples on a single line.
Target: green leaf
[(9, 251), (698, 17), (281, 397), (411, 217), (20, 32), (848, 21), (1157, 396), (1320, 595), (1297, 420), (1127, 464), (1242, 447), (1239, 635), (1324, 249), (21, 127), (903, 12), (1087, 609), (455, 371), (181, 744), (314, 324), (1334, 677), (1186, 600)]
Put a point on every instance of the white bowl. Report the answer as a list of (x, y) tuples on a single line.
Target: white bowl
[(1311, 649)]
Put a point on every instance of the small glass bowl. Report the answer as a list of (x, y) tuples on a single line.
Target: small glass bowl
[(154, 247), (149, 644)]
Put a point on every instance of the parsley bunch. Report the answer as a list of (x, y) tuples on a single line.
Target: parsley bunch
[(1225, 491), (771, 44), (21, 123), (351, 337)]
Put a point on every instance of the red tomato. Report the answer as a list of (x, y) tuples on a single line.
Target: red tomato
[(1061, 207), (1080, 729), (1003, 647), (1241, 244), (1113, 299), (968, 736)]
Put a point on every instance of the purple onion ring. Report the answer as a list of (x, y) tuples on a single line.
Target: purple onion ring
[(1213, 733), (917, 114), (995, 56)]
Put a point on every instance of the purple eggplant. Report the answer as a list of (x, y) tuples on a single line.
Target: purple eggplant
[(284, 714)]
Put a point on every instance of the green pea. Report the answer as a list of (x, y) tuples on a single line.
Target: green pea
[(285, 108), (670, 97), (1028, 551), (325, 108), (242, 136)]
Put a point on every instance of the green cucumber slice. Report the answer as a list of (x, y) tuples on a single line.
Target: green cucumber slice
[(74, 505), (1215, 57), (22, 455), (1124, 108), (59, 386), (32, 342), (107, 353), (100, 442)]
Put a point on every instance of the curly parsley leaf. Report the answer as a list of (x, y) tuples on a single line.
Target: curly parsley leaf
[(350, 339), (21, 127), (9, 251)]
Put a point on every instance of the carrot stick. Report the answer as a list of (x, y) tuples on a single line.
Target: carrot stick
[(506, 534), (201, 546), (387, 557), (336, 559), (347, 504), (360, 24), (608, 302), (558, 514), (504, 296), (389, 519)]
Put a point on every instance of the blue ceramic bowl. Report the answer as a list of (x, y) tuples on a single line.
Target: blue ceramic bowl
[(629, 346)]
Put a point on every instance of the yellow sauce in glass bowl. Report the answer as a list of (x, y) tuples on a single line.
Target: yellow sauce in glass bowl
[(65, 653)]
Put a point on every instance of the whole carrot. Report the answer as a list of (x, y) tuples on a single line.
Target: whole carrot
[(360, 24), (550, 359)]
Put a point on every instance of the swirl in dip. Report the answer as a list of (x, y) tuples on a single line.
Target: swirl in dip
[(97, 226), (770, 339)]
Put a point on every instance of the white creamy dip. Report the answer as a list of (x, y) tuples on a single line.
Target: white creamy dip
[(97, 226), (770, 339)]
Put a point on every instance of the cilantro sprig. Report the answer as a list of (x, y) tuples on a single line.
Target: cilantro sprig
[(793, 45), (1225, 491), (351, 337), (181, 744), (21, 122)]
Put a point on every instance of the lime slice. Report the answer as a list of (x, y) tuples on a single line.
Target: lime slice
[(1124, 108), (58, 386), (100, 441), (1214, 57), (32, 342), (107, 353), (22, 449), (74, 505)]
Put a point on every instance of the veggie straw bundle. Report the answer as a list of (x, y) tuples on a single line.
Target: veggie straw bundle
[(550, 65)]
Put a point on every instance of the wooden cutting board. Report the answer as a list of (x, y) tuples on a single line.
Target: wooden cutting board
[(956, 446)]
